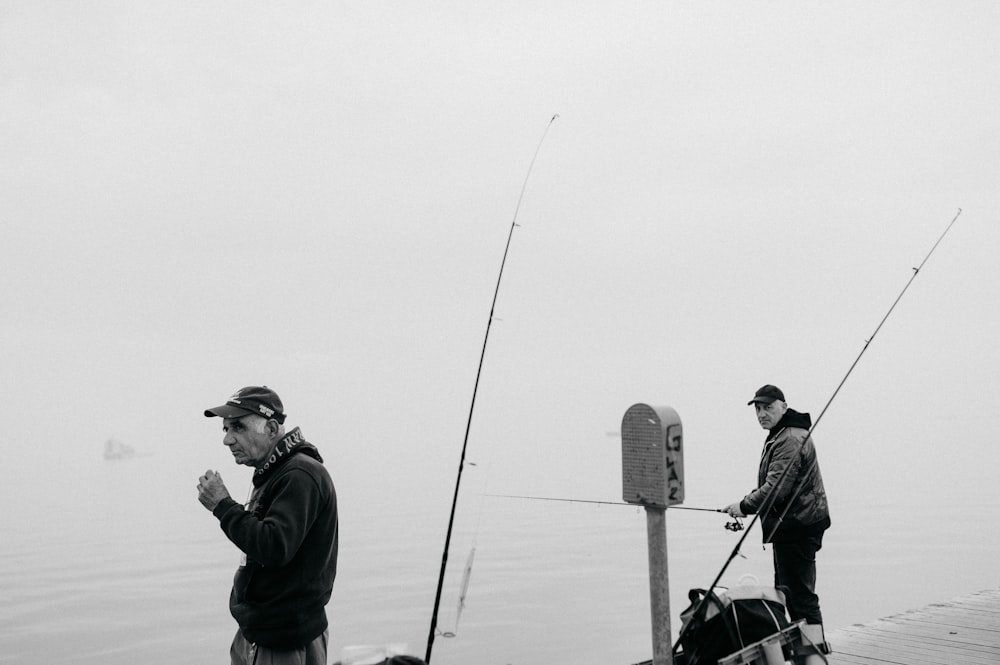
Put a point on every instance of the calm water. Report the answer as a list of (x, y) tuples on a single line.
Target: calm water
[(124, 566)]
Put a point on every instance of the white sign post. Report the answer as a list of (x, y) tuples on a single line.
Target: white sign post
[(653, 477)]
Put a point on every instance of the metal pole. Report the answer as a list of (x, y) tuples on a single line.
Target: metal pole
[(659, 585)]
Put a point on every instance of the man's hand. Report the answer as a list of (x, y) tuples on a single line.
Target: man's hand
[(211, 489), (734, 510)]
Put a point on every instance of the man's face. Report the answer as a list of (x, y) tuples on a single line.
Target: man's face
[(248, 439), (768, 415)]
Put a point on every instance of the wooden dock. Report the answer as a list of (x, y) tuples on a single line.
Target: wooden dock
[(963, 631)]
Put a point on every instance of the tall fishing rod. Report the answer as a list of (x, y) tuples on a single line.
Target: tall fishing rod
[(768, 503), (916, 271), (472, 404)]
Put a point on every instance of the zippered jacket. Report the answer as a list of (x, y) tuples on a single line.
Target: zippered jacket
[(289, 536), (786, 447)]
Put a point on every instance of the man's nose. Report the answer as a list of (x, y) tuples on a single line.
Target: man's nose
[(228, 440)]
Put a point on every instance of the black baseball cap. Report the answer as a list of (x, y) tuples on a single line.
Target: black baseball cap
[(257, 400), (766, 395)]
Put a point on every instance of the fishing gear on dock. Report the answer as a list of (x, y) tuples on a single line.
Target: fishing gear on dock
[(768, 504), (472, 405)]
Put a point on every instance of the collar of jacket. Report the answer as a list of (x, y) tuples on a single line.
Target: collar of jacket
[(293, 443)]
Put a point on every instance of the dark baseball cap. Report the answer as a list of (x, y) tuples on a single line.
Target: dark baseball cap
[(257, 400), (766, 395)]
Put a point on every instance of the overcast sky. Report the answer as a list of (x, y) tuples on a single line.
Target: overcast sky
[(316, 195)]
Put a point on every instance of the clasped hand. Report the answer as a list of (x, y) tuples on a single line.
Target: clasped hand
[(211, 489)]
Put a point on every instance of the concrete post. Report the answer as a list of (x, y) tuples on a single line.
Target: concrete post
[(659, 585), (653, 477)]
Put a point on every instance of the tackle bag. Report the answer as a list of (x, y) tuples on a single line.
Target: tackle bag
[(729, 621)]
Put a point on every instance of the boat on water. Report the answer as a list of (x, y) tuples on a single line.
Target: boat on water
[(115, 449)]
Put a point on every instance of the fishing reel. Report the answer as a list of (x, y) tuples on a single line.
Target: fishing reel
[(735, 526)]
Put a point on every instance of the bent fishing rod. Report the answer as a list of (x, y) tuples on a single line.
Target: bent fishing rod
[(472, 404), (769, 502)]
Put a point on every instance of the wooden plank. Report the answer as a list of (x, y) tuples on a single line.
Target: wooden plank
[(911, 652), (984, 635), (964, 630), (890, 632)]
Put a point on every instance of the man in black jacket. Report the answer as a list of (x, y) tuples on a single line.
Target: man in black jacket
[(288, 534), (791, 500)]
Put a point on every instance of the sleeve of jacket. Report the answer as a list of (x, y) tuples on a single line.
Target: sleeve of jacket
[(273, 539), (785, 456)]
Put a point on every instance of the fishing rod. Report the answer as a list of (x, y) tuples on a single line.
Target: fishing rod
[(768, 503), (472, 405), (606, 503), (916, 271), (735, 525)]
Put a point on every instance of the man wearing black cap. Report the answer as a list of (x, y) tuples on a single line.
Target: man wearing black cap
[(791, 501), (288, 534)]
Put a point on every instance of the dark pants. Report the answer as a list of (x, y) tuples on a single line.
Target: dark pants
[(795, 570)]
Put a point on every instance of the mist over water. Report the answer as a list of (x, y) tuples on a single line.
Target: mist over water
[(127, 567)]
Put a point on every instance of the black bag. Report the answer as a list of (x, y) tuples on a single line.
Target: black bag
[(729, 621)]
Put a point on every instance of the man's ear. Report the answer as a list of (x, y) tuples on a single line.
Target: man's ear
[(273, 427)]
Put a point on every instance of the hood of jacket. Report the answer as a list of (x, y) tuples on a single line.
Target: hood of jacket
[(792, 418), (293, 443)]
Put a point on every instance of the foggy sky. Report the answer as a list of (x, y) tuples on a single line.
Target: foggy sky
[(316, 196)]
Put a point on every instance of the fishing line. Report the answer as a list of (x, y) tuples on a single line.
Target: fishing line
[(768, 503), (472, 405)]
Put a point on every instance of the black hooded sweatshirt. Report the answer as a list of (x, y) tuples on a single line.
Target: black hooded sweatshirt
[(289, 536)]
